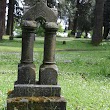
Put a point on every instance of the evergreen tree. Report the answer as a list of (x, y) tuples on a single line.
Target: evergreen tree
[(106, 20), (98, 22), (14, 15), (10, 21), (2, 17)]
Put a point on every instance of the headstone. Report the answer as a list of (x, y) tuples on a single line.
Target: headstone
[(78, 34), (44, 94)]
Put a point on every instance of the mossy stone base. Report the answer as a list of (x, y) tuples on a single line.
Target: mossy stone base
[(36, 103), (29, 90)]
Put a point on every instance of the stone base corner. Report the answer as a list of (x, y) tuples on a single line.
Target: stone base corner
[(36, 103)]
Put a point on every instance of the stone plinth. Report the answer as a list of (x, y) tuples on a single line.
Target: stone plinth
[(48, 74), (36, 103), (29, 90), (26, 74)]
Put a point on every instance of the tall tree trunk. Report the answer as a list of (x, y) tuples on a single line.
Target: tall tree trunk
[(98, 22), (106, 31), (10, 21), (75, 20), (74, 27), (2, 17), (106, 20), (70, 24)]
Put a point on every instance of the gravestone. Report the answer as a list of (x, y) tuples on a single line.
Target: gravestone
[(44, 94)]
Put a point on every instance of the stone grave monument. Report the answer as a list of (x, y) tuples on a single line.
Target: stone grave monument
[(45, 94)]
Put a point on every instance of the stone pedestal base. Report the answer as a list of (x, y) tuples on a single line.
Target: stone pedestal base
[(31, 90), (26, 74), (48, 74), (36, 103)]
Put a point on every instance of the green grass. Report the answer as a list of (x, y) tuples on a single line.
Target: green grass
[(84, 71)]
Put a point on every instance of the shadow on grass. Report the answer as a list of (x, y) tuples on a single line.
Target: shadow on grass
[(80, 50), (10, 43), (17, 43)]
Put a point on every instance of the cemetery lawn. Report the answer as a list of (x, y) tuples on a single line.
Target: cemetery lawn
[(84, 71)]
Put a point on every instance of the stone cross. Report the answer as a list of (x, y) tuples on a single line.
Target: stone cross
[(44, 94)]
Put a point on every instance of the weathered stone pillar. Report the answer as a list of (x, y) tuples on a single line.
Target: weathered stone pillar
[(26, 69), (48, 70)]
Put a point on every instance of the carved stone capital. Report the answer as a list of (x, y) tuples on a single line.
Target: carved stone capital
[(52, 26), (31, 24)]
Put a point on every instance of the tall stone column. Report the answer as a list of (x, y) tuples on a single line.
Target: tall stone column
[(26, 69), (50, 43), (48, 70)]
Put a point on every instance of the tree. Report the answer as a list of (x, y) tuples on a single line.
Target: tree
[(75, 20), (14, 15), (85, 17), (2, 17), (106, 20), (80, 14), (10, 21), (98, 22)]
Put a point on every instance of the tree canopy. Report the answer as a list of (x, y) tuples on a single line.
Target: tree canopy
[(80, 14)]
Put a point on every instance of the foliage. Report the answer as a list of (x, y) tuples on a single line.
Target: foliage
[(40, 31), (80, 13), (60, 29), (18, 12), (69, 33), (17, 30), (85, 16)]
